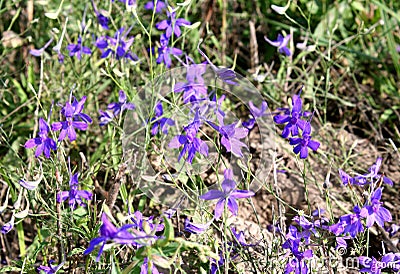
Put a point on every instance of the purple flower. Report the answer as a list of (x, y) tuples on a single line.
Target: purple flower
[(374, 172), (77, 49), (118, 46), (148, 267), (121, 105), (376, 212), (158, 8), (160, 122), (164, 52), (231, 136), (228, 195), (192, 92), (302, 144), (74, 195), (239, 236), (256, 113), (73, 114), (196, 228), (114, 109), (51, 269), (393, 229), (108, 232), (292, 118), (8, 226), (172, 25), (39, 52), (43, 142), (145, 224), (349, 223), (281, 43)]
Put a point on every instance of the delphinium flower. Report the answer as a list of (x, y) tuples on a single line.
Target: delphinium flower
[(115, 108), (191, 144), (255, 113), (375, 212), (194, 89), (228, 195), (43, 143), (50, 269), (74, 118), (118, 46), (374, 172), (145, 224), (281, 43), (239, 236), (75, 197), (196, 228), (292, 118), (8, 226), (393, 229), (110, 233), (164, 52), (231, 135), (172, 25), (294, 243), (304, 143), (77, 49), (158, 8), (101, 19), (148, 267), (159, 122), (39, 52), (349, 223)]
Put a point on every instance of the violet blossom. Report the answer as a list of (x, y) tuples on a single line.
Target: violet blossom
[(304, 143), (164, 52), (375, 212), (281, 43), (172, 25), (43, 143), (75, 197), (77, 49)]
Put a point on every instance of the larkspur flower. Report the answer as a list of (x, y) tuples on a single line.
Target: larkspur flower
[(255, 113), (39, 52), (239, 236), (172, 25), (105, 117), (159, 122), (349, 223), (118, 46), (372, 265), (101, 19), (115, 108), (292, 118), (228, 195), (108, 232), (191, 144), (304, 143), (375, 212), (158, 7), (148, 267), (374, 172), (231, 135), (281, 43), (50, 269), (43, 143), (8, 226), (77, 49), (75, 197), (164, 52), (74, 118), (145, 224), (196, 228)]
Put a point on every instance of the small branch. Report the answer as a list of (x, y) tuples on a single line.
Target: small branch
[(114, 190)]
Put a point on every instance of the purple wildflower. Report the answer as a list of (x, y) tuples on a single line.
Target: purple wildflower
[(196, 228), (77, 49), (164, 52), (172, 25), (145, 224), (302, 144), (43, 143), (74, 118), (256, 113), (374, 172), (118, 46), (292, 118), (376, 212), (389, 260), (105, 117), (160, 122), (158, 8), (281, 43), (74, 195), (51, 269), (8, 226), (39, 52), (228, 195), (115, 108), (191, 144), (148, 267), (108, 232), (349, 223), (231, 136)]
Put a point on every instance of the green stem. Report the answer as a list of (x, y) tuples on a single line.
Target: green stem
[(21, 239)]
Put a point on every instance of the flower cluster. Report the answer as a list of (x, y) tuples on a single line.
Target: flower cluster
[(115, 108), (292, 118)]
